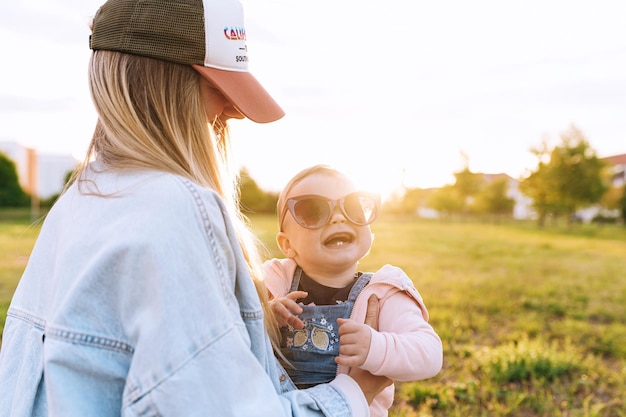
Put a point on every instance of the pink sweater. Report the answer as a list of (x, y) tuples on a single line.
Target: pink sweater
[(405, 347)]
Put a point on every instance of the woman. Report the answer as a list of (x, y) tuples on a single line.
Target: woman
[(140, 296)]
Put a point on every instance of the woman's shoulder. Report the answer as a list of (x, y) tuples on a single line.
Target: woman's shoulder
[(183, 201), (173, 189), (151, 199), (169, 193)]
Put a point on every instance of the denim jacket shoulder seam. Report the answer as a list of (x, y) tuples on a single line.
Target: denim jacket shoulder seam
[(208, 230), (88, 340), (27, 317)]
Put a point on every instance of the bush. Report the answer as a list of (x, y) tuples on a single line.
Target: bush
[(11, 193), (528, 360), (417, 394), (602, 219)]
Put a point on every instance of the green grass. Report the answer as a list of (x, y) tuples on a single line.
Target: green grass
[(17, 237), (533, 322)]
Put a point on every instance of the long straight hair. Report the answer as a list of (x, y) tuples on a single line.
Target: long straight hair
[(151, 115)]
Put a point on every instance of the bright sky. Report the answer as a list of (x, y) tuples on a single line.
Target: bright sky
[(390, 92)]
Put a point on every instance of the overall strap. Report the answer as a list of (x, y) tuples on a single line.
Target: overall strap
[(296, 279), (358, 286)]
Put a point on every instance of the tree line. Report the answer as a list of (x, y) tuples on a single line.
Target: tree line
[(252, 198), (568, 177)]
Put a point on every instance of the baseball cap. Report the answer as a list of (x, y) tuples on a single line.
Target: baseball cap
[(209, 35)]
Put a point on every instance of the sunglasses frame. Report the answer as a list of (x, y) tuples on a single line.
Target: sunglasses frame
[(291, 202)]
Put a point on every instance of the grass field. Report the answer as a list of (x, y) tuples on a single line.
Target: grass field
[(533, 321)]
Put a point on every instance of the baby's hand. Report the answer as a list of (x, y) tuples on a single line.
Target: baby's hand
[(285, 309), (354, 342)]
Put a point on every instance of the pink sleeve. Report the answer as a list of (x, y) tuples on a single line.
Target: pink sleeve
[(406, 347), (277, 274)]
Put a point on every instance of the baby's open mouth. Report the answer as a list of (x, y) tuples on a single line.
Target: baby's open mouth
[(339, 239)]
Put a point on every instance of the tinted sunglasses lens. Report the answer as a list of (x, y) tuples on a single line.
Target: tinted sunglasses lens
[(311, 212), (360, 208)]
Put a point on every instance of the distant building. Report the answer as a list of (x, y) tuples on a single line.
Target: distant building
[(39, 174), (617, 164)]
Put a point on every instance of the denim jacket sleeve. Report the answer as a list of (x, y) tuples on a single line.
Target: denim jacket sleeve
[(147, 309)]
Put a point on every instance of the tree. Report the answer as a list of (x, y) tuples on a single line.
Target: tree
[(252, 198), (493, 199), (538, 187), (446, 200), (459, 197), (611, 199), (622, 205), (11, 193), (570, 179), (577, 172), (467, 185), (409, 202)]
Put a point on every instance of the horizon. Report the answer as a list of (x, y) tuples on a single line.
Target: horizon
[(386, 194)]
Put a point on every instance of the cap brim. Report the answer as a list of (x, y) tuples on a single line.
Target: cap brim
[(245, 92)]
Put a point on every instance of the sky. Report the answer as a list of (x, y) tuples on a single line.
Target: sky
[(396, 93)]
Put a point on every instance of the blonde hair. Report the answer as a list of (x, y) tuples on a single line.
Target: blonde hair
[(152, 116)]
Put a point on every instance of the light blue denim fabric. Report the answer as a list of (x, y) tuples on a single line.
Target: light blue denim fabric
[(140, 304)]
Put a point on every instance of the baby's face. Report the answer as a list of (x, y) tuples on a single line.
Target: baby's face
[(337, 245)]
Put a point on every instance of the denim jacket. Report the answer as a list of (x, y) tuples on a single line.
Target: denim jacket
[(136, 301)]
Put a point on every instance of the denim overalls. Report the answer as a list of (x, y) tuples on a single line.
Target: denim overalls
[(311, 351)]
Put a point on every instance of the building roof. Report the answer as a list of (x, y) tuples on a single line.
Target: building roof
[(616, 159), (494, 177)]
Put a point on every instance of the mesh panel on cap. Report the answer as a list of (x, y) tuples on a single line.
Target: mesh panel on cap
[(168, 30)]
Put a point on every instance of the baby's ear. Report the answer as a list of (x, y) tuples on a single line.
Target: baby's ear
[(282, 239)]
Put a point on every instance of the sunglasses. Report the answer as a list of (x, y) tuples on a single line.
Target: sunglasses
[(315, 211)]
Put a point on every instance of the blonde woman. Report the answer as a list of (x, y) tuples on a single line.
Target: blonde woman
[(140, 295)]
